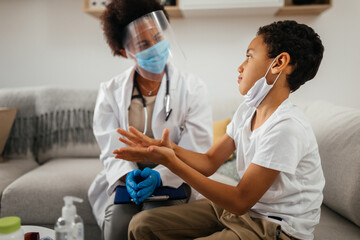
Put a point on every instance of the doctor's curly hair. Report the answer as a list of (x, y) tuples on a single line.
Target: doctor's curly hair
[(301, 43), (119, 13)]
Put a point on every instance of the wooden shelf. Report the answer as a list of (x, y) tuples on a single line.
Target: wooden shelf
[(288, 9), (312, 9), (173, 11)]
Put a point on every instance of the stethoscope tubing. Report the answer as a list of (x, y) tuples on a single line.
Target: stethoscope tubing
[(167, 99)]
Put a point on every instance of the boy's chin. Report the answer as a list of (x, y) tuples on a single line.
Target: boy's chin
[(241, 91)]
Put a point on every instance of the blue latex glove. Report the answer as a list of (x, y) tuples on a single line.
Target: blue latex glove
[(151, 182), (131, 181)]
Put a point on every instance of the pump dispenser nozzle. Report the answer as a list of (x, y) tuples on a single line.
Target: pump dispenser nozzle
[(69, 210)]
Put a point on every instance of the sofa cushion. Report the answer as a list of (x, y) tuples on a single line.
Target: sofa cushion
[(334, 226), (337, 131), (12, 169), (37, 197), (64, 120)]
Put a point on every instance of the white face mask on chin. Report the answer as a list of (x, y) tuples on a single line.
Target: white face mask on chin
[(258, 92)]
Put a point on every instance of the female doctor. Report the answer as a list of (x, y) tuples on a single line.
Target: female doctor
[(150, 96)]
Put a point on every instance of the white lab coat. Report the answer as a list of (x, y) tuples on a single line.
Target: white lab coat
[(190, 125)]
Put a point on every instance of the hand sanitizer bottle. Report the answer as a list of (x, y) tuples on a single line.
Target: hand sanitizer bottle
[(69, 226)]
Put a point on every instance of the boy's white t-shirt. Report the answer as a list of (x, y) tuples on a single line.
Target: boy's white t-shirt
[(286, 143)]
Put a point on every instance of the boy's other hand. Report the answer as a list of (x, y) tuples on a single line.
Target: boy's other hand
[(135, 138)]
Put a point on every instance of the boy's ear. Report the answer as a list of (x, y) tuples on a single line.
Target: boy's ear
[(281, 64)]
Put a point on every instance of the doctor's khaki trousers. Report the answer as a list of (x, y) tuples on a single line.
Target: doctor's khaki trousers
[(201, 220)]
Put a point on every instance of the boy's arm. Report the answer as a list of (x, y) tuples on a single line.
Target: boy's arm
[(206, 163), (239, 199)]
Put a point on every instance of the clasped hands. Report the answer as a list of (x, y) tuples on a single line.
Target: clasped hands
[(141, 184)]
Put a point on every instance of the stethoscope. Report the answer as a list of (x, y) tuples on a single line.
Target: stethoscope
[(168, 110)]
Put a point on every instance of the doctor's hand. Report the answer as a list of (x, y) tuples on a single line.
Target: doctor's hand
[(131, 181), (152, 180), (158, 154), (135, 138)]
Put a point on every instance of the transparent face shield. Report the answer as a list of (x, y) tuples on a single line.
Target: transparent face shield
[(150, 41)]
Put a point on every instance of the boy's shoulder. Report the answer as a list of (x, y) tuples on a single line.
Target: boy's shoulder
[(287, 115), (290, 120), (288, 111)]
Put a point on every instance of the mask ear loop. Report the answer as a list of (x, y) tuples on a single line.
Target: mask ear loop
[(276, 78), (269, 70)]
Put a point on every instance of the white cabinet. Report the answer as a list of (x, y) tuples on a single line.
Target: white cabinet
[(201, 8), (229, 7), (216, 4), (289, 9)]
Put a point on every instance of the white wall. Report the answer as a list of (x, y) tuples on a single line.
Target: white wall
[(53, 43)]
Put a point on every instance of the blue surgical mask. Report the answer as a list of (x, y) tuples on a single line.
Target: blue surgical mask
[(154, 58)]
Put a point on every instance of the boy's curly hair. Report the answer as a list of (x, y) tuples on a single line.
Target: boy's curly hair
[(119, 13), (303, 45)]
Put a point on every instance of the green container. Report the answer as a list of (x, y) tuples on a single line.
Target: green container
[(9, 224)]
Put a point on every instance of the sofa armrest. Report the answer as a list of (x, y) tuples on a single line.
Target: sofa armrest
[(337, 131), (12, 169)]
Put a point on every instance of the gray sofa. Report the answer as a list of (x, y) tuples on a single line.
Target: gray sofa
[(51, 152)]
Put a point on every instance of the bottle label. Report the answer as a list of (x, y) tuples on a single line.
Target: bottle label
[(77, 233), (62, 236)]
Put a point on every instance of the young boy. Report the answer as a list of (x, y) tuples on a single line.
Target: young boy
[(281, 181)]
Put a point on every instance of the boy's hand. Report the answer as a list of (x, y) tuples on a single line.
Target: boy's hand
[(162, 154), (134, 138)]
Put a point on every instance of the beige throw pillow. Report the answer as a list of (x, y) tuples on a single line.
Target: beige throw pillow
[(219, 129)]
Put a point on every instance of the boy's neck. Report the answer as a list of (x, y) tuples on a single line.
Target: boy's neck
[(268, 106)]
